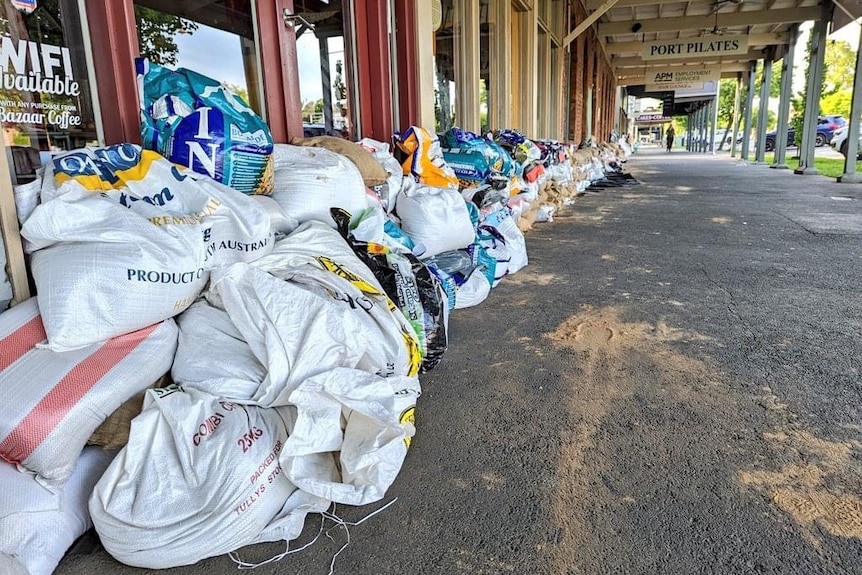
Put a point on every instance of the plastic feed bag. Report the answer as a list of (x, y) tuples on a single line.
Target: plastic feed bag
[(425, 161), (196, 122)]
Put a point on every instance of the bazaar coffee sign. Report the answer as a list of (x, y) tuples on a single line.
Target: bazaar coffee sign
[(28, 69), (699, 47)]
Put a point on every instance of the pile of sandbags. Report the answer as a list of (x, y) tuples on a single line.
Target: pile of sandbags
[(292, 370), (261, 351)]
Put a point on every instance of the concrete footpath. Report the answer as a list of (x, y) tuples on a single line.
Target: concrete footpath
[(672, 386)]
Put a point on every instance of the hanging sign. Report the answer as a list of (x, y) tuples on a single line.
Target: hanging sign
[(27, 6), (651, 118), (680, 78), (700, 47)]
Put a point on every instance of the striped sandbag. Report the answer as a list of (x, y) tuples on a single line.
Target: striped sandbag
[(53, 401)]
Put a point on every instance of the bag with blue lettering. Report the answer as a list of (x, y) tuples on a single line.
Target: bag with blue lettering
[(196, 122), (499, 163), (124, 239)]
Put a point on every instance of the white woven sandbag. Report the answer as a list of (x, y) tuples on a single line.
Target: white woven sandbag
[(309, 181), (27, 197), (279, 220), (389, 192), (508, 246), (293, 332), (127, 238), (37, 526), (435, 217), (364, 421), (472, 292), (212, 355), (309, 321), (52, 402), (392, 345), (199, 477)]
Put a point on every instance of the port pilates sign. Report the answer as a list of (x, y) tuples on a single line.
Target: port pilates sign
[(702, 47)]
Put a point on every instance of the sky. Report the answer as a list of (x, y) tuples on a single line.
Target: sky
[(308, 59), (216, 53), (212, 52)]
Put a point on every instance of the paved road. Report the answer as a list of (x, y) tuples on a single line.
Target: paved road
[(671, 387)]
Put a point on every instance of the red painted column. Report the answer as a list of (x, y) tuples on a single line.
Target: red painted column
[(408, 73), (374, 78), (114, 36), (280, 73)]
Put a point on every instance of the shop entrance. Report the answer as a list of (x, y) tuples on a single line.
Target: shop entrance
[(325, 69), (216, 38)]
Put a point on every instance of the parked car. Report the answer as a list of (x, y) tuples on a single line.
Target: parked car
[(826, 126), (839, 141)]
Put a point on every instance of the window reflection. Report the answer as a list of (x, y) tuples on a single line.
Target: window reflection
[(212, 37), (324, 69), (486, 28), (444, 66), (45, 103)]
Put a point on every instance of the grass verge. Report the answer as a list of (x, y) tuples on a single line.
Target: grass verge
[(829, 167)]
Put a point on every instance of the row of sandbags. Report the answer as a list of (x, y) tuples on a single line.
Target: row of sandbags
[(293, 370), (292, 327)]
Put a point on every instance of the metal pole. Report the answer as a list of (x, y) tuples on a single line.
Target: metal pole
[(707, 113), (763, 111), (784, 103), (749, 102), (713, 118), (689, 122), (326, 84), (736, 110), (850, 175), (815, 82), (696, 130)]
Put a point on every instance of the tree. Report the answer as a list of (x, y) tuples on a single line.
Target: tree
[(839, 67), (156, 32), (238, 90), (837, 103), (774, 82), (726, 93)]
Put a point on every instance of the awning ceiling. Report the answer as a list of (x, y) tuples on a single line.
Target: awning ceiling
[(628, 24)]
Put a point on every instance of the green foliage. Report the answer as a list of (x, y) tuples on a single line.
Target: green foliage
[(156, 31), (238, 90), (726, 92), (312, 111), (839, 68), (837, 102), (771, 119), (774, 82)]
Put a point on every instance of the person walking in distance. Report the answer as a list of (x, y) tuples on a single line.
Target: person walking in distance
[(669, 137)]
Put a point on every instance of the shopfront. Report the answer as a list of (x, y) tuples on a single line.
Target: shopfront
[(353, 68), (307, 67)]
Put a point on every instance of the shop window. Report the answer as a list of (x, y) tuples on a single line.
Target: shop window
[(444, 66), (486, 29), (214, 38), (45, 100), (324, 61)]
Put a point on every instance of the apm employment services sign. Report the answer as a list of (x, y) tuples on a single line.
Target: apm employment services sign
[(680, 78), (700, 47)]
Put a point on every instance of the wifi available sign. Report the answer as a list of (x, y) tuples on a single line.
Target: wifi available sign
[(680, 78)]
